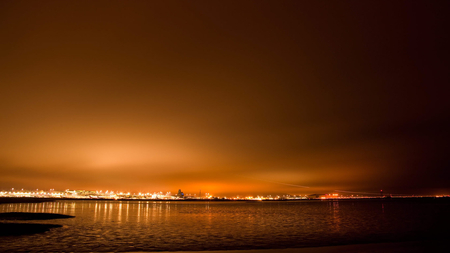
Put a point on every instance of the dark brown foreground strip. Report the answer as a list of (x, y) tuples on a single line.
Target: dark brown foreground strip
[(394, 247)]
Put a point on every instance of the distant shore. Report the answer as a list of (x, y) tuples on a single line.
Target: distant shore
[(10, 200)]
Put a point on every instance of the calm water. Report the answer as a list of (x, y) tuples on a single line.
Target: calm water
[(173, 226)]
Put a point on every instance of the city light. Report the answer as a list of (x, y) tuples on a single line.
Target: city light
[(115, 195)]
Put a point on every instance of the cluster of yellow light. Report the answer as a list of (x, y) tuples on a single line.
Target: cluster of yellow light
[(30, 194), (82, 194), (99, 194)]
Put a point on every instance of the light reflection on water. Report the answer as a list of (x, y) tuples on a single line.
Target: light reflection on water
[(159, 226)]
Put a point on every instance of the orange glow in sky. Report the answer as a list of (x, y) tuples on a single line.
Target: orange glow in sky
[(233, 98)]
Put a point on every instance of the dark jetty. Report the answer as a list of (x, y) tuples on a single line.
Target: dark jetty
[(8, 229), (14, 229), (33, 216)]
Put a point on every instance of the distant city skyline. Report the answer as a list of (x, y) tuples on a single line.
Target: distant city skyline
[(17, 194)]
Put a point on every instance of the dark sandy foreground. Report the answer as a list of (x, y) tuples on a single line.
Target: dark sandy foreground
[(396, 247)]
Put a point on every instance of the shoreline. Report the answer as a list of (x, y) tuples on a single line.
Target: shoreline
[(388, 247), (12, 200)]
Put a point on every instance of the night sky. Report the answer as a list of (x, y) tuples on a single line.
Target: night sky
[(230, 97)]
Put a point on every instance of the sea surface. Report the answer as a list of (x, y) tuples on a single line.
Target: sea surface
[(186, 225)]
